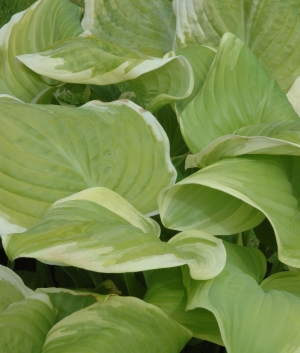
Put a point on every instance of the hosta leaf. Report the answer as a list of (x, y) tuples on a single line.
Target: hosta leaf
[(146, 26), (240, 261), (234, 194), (53, 20), (89, 59), (238, 92), (25, 324), (200, 58), (168, 120), (179, 164), (265, 234), (176, 81), (283, 281), (278, 138), (12, 288), (204, 254), (107, 93), (205, 21), (166, 291), (250, 320), (293, 95), (66, 301), (270, 28), (52, 95), (98, 230), (50, 152), (29, 278), (169, 83), (118, 325)]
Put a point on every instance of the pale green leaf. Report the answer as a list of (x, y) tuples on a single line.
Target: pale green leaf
[(238, 92), (146, 26), (270, 28), (205, 21), (30, 31), (234, 195), (278, 138), (200, 58), (50, 152), (91, 60), (119, 325), (204, 254), (98, 230), (25, 324), (12, 288), (283, 281), (166, 291), (240, 261), (250, 320), (293, 95), (170, 83)]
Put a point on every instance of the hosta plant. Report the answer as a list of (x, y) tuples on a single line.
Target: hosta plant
[(149, 177)]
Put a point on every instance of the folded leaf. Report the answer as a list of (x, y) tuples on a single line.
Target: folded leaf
[(89, 59), (167, 84), (118, 325), (12, 288), (53, 20), (283, 281), (200, 57), (238, 92), (98, 230), (233, 195), (146, 26), (25, 324), (250, 320), (270, 28), (50, 152), (177, 82), (278, 138), (166, 291)]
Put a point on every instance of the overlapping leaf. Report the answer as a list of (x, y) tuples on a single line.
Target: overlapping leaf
[(171, 82), (53, 20), (25, 324), (238, 92), (118, 325), (168, 120), (12, 288), (98, 230), (166, 291), (270, 28), (234, 194), (50, 152), (200, 57), (283, 281), (66, 301), (146, 26), (89, 59), (250, 319), (278, 138)]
